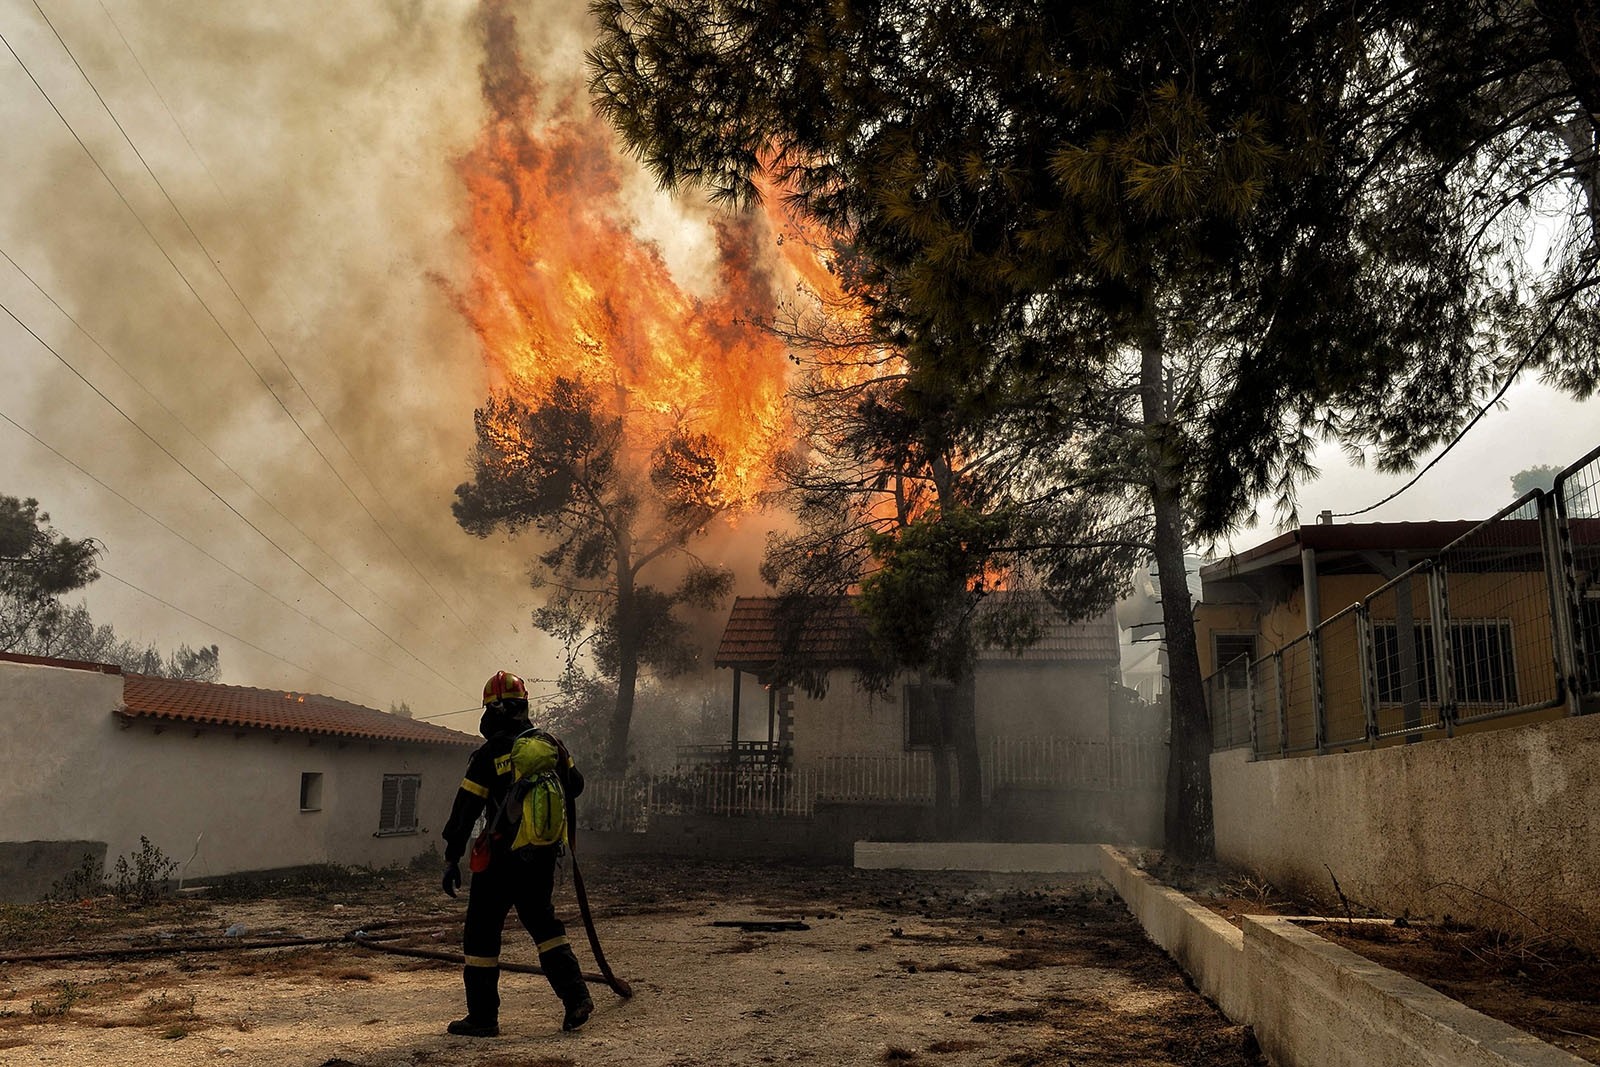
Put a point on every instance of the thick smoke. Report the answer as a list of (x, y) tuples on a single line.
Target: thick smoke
[(311, 148)]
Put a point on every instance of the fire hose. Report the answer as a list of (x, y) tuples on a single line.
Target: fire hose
[(618, 986), (368, 937)]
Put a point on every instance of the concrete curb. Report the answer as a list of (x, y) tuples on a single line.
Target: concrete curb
[(1207, 946), (1313, 1003)]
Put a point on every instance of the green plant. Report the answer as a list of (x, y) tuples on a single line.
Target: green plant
[(83, 881), (144, 878), (427, 861), (68, 993)]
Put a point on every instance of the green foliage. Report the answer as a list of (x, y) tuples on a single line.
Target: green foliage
[(85, 880), (79, 637), (1172, 254), (561, 467), (67, 993), (920, 600), (1540, 477), (142, 877), (37, 566)]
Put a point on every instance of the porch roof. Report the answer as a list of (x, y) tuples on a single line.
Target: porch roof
[(833, 634)]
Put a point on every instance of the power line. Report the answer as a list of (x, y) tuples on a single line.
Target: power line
[(216, 266), (208, 310), (41, 442), (1522, 364), (180, 421), (217, 321), (227, 633), (282, 551)]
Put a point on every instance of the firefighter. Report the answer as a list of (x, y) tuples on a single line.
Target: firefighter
[(523, 879)]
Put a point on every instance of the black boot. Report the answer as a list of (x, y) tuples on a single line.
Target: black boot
[(560, 966), (578, 1012), (483, 1003)]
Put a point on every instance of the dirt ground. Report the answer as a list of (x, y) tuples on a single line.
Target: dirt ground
[(891, 967)]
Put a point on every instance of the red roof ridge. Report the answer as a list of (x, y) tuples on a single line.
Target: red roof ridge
[(220, 704)]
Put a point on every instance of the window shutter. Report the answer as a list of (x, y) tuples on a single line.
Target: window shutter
[(398, 813), (387, 815)]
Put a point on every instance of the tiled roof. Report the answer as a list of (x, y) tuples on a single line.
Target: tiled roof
[(147, 697), (270, 709), (834, 634)]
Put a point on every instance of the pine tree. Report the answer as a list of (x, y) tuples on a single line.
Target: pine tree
[(1196, 240)]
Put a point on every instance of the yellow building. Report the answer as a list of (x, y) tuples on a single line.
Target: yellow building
[(1306, 634)]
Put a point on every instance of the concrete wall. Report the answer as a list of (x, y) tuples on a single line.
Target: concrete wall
[(1485, 828), (847, 721), (829, 836), (71, 770), (1116, 816), (1313, 1003)]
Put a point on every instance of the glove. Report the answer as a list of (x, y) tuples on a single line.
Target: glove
[(452, 879)]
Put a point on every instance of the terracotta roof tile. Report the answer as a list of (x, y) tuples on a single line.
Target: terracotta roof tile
[(832, 635), (204, 703), (835, 635)]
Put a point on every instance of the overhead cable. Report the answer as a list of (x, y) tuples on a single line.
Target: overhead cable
[(216, 266), (42, 443), (263, 535)]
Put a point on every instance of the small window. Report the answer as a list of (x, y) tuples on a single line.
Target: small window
[(311, 791), (398, 814), (1485, 670), (1234, 653), (927, 710)]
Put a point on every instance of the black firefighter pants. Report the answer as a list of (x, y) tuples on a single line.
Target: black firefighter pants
[(523, 881)]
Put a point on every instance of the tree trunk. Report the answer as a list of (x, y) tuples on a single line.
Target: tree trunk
[(937, 710), (964, 740), (1189, 834), (627, 661)]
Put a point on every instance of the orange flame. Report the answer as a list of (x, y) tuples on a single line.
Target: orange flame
[(561, 285)]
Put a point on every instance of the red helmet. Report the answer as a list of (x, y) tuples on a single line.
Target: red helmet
[(504, 686)]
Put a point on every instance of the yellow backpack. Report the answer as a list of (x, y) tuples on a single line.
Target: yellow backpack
[(536, 806)]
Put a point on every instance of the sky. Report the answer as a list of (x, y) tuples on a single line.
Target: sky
[(229, 351)]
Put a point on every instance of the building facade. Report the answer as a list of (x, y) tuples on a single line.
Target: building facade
[(222, 779)]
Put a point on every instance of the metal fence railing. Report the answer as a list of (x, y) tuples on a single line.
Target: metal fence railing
[(907, 777), (1228, 695), (889, 778), (1501, 622), (1577, 504)]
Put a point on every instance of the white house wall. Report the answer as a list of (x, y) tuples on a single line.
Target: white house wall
[(1034, 699), (72, 770), (848, 721), (1021, 699)]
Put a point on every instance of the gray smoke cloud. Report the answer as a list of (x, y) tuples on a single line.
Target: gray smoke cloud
[(309, 146)]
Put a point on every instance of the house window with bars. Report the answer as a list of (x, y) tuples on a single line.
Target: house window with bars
[(1233, 655), (398, 813), (1485, 670), (927, 709)]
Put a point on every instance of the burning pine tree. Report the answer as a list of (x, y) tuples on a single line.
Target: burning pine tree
[(627, 414)]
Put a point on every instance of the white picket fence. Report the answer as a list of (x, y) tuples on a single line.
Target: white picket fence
[(889, 778)]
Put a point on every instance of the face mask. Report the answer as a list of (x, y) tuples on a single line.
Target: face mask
[(491, 723)]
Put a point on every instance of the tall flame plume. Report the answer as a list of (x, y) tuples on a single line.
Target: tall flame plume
[(561, 285)]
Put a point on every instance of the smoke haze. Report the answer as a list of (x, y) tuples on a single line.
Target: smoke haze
[(314, 150)]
